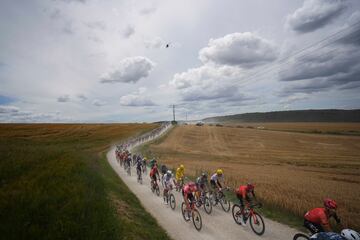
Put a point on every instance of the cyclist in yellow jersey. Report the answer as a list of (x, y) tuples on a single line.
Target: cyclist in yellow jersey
[(179, 176)]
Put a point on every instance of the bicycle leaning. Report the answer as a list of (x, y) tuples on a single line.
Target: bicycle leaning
[(241, 216)]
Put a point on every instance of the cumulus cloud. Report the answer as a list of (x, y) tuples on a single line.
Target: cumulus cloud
[(209, 82), (98, 103), (64, 98), (129, 70), (239, 49), (16, 115), (137, 99), (315, 14), (128, 31)]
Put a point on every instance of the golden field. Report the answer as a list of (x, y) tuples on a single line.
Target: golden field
[(292, 171)]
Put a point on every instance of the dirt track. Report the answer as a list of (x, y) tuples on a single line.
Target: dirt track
[(218, 225)]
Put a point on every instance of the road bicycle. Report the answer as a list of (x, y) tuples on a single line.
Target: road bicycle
[(193, 214), (203, 200), (155, 187), (169, 197), (248, 213), (219, 197)]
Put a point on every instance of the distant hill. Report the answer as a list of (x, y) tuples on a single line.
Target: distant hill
[(325, 115)]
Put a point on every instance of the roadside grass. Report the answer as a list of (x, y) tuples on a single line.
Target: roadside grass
[(55, 183)]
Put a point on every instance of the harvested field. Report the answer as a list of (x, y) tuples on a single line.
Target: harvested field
[(293, 171), (306, 127)]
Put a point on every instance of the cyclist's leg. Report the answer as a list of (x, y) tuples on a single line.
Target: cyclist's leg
[(312, 227)]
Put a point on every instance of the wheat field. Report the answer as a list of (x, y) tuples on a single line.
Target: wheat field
[(292, 171)]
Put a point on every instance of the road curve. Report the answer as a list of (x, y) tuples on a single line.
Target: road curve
[(217, 225)]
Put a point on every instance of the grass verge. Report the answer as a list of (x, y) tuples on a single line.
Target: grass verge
[(55, 183)]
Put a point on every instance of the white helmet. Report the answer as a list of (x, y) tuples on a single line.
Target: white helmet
[(168, 172), (349, 234)]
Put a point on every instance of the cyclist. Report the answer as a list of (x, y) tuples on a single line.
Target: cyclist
[(152, 162), (215, 183), (163, 171), (245, 192), (187, 193), (144, 164), (167, 185), (202, 183), (349, 234), (154, 173), (179, 177), (139, 163), (317, 219)]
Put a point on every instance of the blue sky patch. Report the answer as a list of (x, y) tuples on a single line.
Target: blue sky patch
[(6, 100)]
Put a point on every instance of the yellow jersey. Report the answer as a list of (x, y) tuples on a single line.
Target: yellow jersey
[(179, 174)]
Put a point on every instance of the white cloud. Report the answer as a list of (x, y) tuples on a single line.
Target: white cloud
[(210, 82), (315, 14), (137, 99), (129, 70), (239, 49)]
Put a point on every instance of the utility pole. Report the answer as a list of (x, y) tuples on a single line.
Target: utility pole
[(174, 112)]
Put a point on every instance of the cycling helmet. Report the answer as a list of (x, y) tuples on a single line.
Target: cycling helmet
[(204, 175), (192, 186), (219, 172), (349, 234), (250, 186), (168, 172), (182, 167), (329, 203)]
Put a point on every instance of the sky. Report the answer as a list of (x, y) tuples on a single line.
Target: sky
[(130, 60)]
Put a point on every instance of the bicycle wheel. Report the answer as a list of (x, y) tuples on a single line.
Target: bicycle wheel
[(196, 218), (157, 190), (207, 205), (212, 199), (257, 224), (172, 201), (236, 212), (300, 236), (184, 213), (225, 204)]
